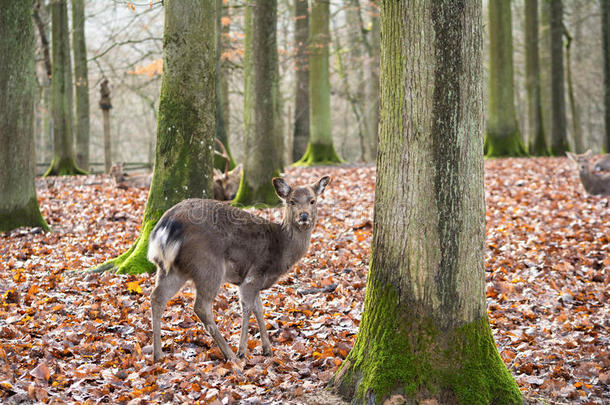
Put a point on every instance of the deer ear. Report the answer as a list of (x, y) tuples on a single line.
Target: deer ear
[(237, 170), (588, 153), (281, 187), (571, 156), (319, 187)]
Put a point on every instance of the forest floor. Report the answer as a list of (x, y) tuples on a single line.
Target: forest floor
[(71, 336)]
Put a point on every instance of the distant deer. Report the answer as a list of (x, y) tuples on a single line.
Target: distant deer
[(593, 183), (124, 180), (226, 184), (212, 243), (602, 164)]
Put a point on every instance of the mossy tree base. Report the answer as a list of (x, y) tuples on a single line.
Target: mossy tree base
[(63, 167), (262, 196), (319, 154), (402, 351), (28, 215), (504, 145)]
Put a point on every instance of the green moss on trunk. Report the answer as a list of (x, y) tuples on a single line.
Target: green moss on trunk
[(63, 167), (262, 196), (319, 154), (399, 351), (28, 215), (504, 145)]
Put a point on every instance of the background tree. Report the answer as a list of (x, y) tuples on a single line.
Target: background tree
[(320, 148), (61, 94), (502, 136), (261, 160), (424, 328), (372, 81), (605, 8), (187, 120), (537, 140), (18, 202), (81, 82), (301, 93), (559, 139)]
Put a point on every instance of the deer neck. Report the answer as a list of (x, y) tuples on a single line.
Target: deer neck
[(295, 242)]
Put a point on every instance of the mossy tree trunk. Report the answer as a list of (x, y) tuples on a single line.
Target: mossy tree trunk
[(320, 149), (559, 138), (186, 123), (18, 202), (537, 141), (81, 82), (605, 11), (502, 136), (63, 162), (261, 160), (424, 332), (301, 93)]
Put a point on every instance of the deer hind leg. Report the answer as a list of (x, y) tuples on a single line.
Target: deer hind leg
[(260, 319), (203, 309), (166, 286)]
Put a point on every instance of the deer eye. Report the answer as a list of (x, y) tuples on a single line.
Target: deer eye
[(292, 203), (312, 202)]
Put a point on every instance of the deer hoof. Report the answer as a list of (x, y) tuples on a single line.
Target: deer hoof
[(158, 356), (267, 351)]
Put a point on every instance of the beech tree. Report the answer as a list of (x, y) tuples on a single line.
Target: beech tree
[(605, 11), (262, 149), (186, 124), (424, 331), (301, 94), (537, 139), (18, 202), (559, 138), (320, 148), (502, 135), (61, 94), (81, 81)]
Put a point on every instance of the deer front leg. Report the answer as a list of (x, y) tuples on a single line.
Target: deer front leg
[(247, 305), (260, 319)]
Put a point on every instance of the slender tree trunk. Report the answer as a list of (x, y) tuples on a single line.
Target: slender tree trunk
[(301, 102), (424, 332), (559, 139), (577, 135), (18, 202), (186, 124), (261, 160), (605, 11), (372, 82), (537, 140), (544, 52), (320, 149), (61, 95), (82, 83), (107, 141), (502, 137)]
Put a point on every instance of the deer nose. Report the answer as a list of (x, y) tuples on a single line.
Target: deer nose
[(303, 217)]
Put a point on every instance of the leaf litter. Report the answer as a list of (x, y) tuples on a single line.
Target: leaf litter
[(71, 336)]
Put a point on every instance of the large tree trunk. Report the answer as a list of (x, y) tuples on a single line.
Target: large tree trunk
[(18, 202), (605, 11), (186, 124), (261, 160), (320, 149), (502, 136), (81, 82), (559, 139), (61, 94), (537, 140), (424, 331), (301, 94)]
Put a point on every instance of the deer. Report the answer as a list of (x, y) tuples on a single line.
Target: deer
[(602, 164), (210, 243), (124, 180), (593, 183), (226, 184)]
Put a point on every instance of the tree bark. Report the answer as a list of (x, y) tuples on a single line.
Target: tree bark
[(537, 140), (577, 134), (186, 124), (502, 137), (544, 52), (301, 94), (61, 95), (18, 202), (81, 82), (559, 139), (424, 331), (372, 82), (605, 11), (261, 160), (320, 149)]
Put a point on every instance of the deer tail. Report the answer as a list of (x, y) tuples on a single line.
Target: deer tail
[(164, 244)]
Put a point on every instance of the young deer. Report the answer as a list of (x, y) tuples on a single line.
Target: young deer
[(124, 180), (226, 184), (603, 163), (212, 243), (593, 183)]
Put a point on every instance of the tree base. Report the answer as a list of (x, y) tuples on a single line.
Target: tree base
[(28, 215), (134, 260), (319, 154), (262, 197), (504, 145), (63, 167)]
